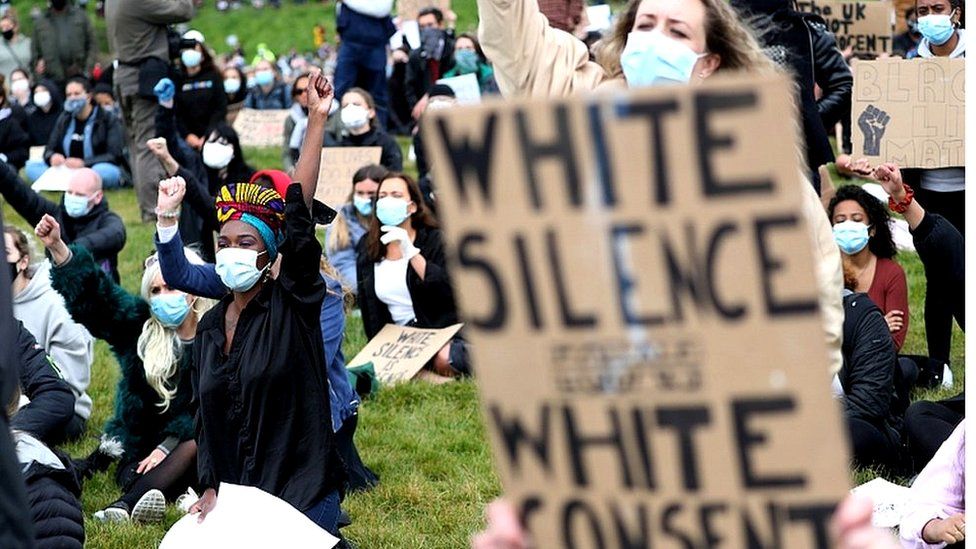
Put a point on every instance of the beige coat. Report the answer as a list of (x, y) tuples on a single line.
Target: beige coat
[(533, 59)]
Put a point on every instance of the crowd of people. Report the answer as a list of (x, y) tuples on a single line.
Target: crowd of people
[(241, 303)]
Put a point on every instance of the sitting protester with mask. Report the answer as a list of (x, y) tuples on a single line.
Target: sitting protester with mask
[(296, 123), (469, 59), (269, 92), (43, 112), (43, 313), (402, 272), (152, 336), (360, 128), (83, 214), (428, 63), (343, 235), (235, 88), (14, 141), (83, 136)]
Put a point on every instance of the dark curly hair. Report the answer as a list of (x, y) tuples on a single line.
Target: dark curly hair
[(881, 244)]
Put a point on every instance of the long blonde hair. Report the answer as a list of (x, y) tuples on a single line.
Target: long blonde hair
[(339, 234), (725, 36), (159, 347)]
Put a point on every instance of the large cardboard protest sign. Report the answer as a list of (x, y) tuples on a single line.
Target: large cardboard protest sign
[(398, 353), (865, 26), (910, 112), (408, 9), (336, 169), (257, 128), (637, 284)]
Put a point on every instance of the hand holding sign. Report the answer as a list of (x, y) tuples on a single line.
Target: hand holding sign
[(873, 122)]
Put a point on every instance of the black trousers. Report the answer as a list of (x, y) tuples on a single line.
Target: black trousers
[(929, 424), (872, 445), (360, 477)]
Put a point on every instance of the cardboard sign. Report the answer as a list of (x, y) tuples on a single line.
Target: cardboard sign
[(336, 169), (466, 88), (408, 9), (865, 26), (261, 128), (636, 279), (398, 353), (54, 179), (910, 112)]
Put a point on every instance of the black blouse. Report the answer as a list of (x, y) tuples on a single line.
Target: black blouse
[(263, 416)]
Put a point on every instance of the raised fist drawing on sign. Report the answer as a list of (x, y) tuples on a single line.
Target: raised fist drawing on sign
[(873, 122)]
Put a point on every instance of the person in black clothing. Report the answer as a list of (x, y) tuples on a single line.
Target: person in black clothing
[(201, 102), (868, 380), (235, 89), (14, 141), (428, 63), (83, 214), (224, 158), (941, 248), (51, 409), (402, 273), (43, 112), (801, 43), (906, 44), (84, 136), (262, 341), (360, 128), (928, 425)]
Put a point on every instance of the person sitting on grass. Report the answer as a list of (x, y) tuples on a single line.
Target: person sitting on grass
[(83, 214), (152, 336), (343, 235), (937, 508)]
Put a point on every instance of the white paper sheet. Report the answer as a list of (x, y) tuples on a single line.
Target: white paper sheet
[(248, 517), (54, 179), (465, 87), (599, 17), (890, 501)]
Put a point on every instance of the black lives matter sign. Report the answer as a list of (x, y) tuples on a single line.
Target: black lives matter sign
[(637, 285), (865, 27)]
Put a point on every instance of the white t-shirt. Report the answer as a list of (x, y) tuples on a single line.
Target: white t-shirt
[(391, 288)]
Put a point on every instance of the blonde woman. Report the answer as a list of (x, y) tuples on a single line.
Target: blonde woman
[(151, 336), (654, 42), (342, 236)]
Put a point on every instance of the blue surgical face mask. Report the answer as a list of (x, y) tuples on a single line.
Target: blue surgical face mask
[(937, 29), (232, 86), (191, 58), (238, 268), (466, 60), (76, 206), (264, 77), (363, 204), (169, 309), (75, 105), (851, 236), (652, 59), (391, 210)]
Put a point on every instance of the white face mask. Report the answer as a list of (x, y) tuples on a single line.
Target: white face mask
[(42, 99), (354, 117), (19, 86), (217, 155), (238, 268)]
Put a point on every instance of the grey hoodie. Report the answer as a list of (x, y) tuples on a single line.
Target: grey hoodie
[(43, 313)]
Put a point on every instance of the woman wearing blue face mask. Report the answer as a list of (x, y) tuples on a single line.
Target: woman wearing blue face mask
[(402, 271), (469, 59), (268, 92), (152, 336), (201, 102), (343, 235), (84, 135), (235, 88)]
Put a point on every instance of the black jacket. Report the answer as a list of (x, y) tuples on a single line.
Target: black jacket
[(106, 138), (101, 231), (831, 73), (433, 297), (247, 432), (419, 78), (40, 124), (391, 158), (55, 505), (52, 404), (14, 142), (201, 103), (870, 360)]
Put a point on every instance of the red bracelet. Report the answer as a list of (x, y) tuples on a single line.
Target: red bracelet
[(902, 207)]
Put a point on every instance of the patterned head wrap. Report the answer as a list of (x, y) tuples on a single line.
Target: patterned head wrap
[(258, 206)]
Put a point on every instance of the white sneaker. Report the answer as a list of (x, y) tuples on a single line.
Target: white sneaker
[(185, 501), (111, 514), (150, 508), (946, 377)]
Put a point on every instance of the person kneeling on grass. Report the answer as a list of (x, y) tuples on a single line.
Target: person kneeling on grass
[(152, 337)]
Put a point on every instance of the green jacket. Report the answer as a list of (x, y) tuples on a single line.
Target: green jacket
[(66, 43)]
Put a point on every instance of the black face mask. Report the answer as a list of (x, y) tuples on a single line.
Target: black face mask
[(8, 34), (13, 270), (59, 4)]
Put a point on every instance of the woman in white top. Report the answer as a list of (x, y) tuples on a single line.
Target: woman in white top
[(402, 274)]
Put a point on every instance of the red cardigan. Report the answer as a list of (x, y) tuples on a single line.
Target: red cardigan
[(889, 291)]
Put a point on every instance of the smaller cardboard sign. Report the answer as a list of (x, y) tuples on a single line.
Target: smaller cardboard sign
[(599, 17), (257, 128), (864, 26), (466, 88), (408, 9), (336, 169), (54, 179), (910, 112), (398, 353)]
